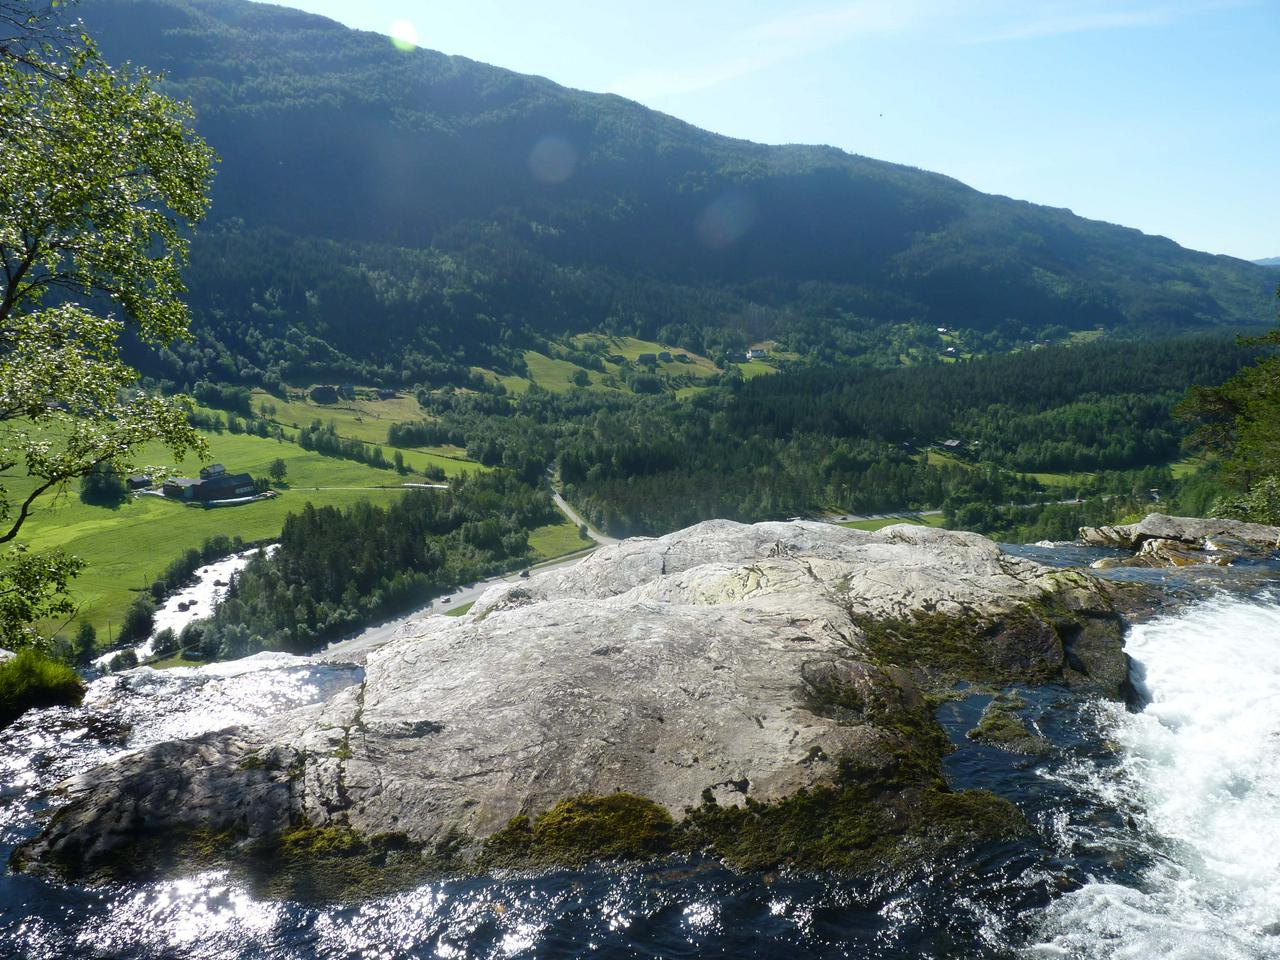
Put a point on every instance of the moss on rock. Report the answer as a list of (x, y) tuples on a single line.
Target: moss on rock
[(849, 826), (621, 826), (1000, 726), (1016, 647), (335, 863)]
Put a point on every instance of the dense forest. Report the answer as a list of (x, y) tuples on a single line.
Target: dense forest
[(813, 439), (399, 218), (335, 570)]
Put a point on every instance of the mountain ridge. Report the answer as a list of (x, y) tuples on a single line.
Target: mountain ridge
[(474, 208)]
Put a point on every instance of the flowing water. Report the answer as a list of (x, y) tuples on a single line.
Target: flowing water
[(1155, 836), (193, 600)]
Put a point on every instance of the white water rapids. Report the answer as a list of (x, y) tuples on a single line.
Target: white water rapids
[(1200, 772)]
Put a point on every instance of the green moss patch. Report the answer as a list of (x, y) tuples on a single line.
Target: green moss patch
[(850, 826), (30, 679), (1000, 726), (1016, 647), (335, 863), (621, 826)]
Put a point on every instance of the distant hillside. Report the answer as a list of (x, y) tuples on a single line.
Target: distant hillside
[(1268, 262), (399, 216)]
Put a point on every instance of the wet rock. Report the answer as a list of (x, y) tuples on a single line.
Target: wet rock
[(1163, 541), (776, 669), (1001, 726)]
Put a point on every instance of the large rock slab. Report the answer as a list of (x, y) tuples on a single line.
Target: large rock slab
[(716, 664), (1163, 541)]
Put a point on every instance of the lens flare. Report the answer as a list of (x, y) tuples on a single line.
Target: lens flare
[(404, 35), (553, 160), (725, 220)]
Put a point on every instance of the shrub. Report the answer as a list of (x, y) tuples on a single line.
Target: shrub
[(31, 679), (123, 660)]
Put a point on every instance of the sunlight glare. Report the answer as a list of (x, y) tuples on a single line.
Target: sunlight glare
[(404, 35)]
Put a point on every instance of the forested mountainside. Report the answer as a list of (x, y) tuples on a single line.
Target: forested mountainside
[(400, 215)]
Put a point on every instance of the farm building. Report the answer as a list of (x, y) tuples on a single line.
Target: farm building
[(214, 483), (647, 359)]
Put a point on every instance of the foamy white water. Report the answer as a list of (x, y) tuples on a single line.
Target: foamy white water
[(206, 590), (1201, 775)]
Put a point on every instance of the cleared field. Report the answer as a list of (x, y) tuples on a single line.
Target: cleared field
[(932, 520), (557, 375), (367, 421), (128, 546), (756, 368), (361, 419), (1084, 336), (938, 459), (555, 540), (1060, 479), (1186, 466), (631, 348)]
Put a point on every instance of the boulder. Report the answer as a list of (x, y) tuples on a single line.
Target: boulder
[(1163, 541), (723, 668)]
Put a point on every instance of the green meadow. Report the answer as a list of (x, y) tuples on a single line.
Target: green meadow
[(366, 420), (127, 546), (932, 520)]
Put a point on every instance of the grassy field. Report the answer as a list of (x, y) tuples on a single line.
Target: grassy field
[(366, 420), (547, 372), (128, 546), (756, 368), (555, 540), (557, 375), (1186, 466), (936, 458), (1049, 479), (933, 520)]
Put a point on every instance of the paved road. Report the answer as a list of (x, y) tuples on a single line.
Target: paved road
[(577, 521), (376, 636)]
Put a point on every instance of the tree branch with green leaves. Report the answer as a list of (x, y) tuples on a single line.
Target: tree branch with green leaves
[(101, 181)]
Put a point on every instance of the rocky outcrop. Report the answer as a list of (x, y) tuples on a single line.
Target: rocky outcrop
[(1162, 541), (727, 678)]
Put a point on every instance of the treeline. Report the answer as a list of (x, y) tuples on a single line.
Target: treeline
[(323, 438), (336, 570)]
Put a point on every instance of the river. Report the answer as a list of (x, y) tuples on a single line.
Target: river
[(1153, 837)]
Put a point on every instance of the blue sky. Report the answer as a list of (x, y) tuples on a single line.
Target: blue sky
[(1158, 114)]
